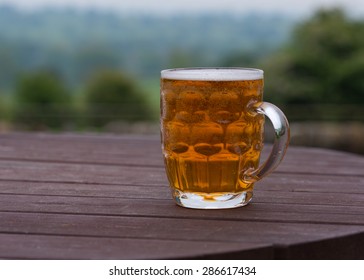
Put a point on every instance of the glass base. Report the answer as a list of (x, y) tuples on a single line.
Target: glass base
[(212, 200)]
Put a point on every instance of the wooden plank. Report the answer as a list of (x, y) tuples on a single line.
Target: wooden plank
[(308, 160), (126, 150), (84, 190), (98, 194), (104, 174), (277, 234), (20, 246), (107, 142), (322, 187), (314, 183), (80, 173), (259, 212), (349, 247), (122, 150)]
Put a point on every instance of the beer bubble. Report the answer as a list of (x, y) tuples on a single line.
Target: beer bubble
[(176, 132), (206, 132), (236, 131), (168, 104), (224, 117), (191, 101), (253, 88), (258, 145), (237, 137), (238, 148), (183, 116), (224, 100), (213, 74), (207, 149), (179, 147), (200, 116)]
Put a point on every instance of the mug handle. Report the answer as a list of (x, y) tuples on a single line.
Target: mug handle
[(281, 141)]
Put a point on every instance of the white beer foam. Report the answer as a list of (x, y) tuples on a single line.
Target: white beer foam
[(213, 74)]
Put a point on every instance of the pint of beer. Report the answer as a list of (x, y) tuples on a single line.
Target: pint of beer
[(212, 122)]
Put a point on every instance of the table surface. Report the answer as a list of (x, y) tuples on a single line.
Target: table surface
[(67, 196)]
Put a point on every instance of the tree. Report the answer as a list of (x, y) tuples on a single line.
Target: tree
[(112, 96), (41, 101), (323, 62)]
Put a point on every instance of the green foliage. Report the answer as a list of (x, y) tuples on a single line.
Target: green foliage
[(323, 63), (75, 43), (242, 59), (41, 101), (111, 96)]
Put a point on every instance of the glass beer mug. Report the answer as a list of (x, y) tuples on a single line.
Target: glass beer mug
[(212, 122)]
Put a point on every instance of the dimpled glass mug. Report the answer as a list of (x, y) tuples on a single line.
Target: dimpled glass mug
[(212, 122)]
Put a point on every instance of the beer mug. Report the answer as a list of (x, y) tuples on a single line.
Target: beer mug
[(212, 122)]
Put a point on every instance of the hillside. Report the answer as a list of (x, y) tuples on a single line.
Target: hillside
[(76, 43)]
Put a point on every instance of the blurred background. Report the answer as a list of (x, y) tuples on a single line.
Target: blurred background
[(84, 66)]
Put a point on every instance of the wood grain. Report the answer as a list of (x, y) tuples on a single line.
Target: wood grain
[(68, 196)]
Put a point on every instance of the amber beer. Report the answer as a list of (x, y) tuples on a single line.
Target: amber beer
[(210, 134)]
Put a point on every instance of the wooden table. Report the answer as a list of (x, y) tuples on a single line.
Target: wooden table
[(106, 197)]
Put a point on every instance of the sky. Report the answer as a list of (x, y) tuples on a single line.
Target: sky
[(293, 7)]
